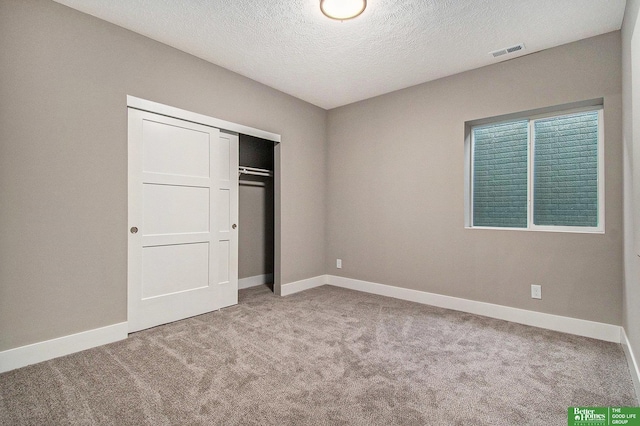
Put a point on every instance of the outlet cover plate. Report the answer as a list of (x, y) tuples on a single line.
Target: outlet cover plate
[(536, 291)]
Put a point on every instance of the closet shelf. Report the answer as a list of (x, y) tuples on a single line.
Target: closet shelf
[(254, 171)]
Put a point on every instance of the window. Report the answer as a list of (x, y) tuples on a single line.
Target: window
[(538, 173)]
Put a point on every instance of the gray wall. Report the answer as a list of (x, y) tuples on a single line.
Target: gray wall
[(63, 162), (396, 188), (631, 137), (252, 232)]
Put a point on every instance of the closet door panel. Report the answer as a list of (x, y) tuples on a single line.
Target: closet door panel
[(174, 268), (224, 210), (224, 255), (175, 209), (175, 150), (226, 159)]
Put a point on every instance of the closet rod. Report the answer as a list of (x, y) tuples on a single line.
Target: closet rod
[(254, 171)]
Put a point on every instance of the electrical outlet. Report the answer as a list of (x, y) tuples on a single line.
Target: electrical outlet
[(339, 263), (536, 291)]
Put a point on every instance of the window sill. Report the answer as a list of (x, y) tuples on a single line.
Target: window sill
[(560, 229)]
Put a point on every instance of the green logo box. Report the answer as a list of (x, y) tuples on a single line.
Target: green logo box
[(603, 416)]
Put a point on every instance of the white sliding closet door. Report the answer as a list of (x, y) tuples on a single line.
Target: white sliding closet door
[(227, 219), (183, 207)]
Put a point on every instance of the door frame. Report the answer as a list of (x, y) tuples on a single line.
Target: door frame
[(227, 126)]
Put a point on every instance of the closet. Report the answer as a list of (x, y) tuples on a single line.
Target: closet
[(256, 236), (202, 196)]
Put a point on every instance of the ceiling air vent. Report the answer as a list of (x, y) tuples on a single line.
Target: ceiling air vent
[(507, 50)]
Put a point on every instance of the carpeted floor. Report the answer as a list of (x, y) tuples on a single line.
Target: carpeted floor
[(327, 356)]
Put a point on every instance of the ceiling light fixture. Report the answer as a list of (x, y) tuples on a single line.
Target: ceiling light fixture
[(342, 10)]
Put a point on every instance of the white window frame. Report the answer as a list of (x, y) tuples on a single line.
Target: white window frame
[(599, 229)]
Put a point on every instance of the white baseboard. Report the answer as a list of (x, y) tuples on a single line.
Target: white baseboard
[(49, 349), (298, 286), (43, 351), (631, 360), (254, 281), (596, 330)]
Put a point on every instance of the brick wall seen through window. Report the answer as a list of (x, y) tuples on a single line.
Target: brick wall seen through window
[(538, 173)]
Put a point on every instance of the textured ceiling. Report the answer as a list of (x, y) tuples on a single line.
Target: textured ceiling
[(291, 46)]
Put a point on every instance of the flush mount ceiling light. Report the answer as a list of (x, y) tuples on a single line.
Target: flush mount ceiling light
[(342, 10)]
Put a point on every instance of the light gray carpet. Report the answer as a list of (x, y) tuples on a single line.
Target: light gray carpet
[(327, 356)]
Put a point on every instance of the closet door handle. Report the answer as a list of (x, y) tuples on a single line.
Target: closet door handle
[(234, 226)]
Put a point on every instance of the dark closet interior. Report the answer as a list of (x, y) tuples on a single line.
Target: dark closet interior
[(256, 212)]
